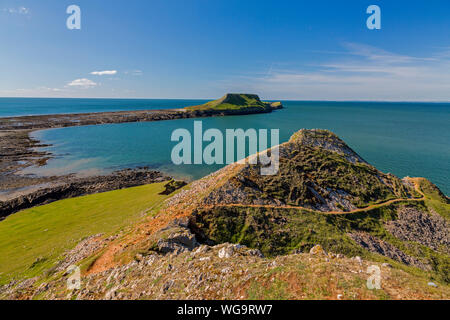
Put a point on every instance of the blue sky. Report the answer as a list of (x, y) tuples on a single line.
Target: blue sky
[(306, 50)]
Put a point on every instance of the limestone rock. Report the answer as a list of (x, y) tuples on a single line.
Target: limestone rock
[(317, 250)]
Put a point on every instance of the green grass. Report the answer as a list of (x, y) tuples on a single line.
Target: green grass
[(435, 199), (304, 167), (279, 231), (233, 101), (31, 241), (277, 290)]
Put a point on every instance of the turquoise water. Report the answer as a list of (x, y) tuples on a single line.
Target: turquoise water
[(406, 139)]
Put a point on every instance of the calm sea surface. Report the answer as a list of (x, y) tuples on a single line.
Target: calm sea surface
[(406, 139)]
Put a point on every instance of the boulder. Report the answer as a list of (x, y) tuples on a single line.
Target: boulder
[(226, 252), (177, 238), (317, 250)]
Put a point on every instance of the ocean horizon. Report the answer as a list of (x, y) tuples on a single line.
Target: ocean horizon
[(33, 106)]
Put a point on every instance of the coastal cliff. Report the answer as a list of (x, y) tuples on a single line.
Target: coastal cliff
[(321, 221)]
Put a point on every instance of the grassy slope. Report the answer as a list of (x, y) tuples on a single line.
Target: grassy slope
[(291, 229), (310, 166), (232, 102), (435, 199), (279, 231), (242, 276), (32, 240)]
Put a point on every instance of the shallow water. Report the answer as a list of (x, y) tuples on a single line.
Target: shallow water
[(406, 139)]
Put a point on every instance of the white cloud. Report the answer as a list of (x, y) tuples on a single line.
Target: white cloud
[(104, 73), (82, 83), (135, 72), (34, 92), (19, 10), (23, 10), (50, 89), (363, 73)]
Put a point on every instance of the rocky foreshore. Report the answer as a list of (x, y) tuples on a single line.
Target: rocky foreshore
[(71, 186), (18, 150), (83, 119)]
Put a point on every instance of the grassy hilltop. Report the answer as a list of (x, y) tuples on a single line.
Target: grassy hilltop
[(237, 102)]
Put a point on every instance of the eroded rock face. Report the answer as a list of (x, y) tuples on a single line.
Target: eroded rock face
[(84, 249), (386, 249), (240, 192), (325, 140), (430, 230), (317, 170), (177, 238)]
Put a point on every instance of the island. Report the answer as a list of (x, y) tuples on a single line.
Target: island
[(237, 103)]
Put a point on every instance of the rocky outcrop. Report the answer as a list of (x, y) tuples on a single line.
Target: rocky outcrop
[(276, 105), (172, 186), (237, 103), (386, 249), (17, 151), (430, 230), (317, 170), (82, 119), (176, 237), (325, 140), (228, 271), (84, 249)]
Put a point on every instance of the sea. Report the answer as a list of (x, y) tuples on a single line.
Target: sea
[(403, 138)]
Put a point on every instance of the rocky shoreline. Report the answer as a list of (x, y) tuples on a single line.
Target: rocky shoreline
[(18, 191), (95, 118), (71, 186), (18, 150)]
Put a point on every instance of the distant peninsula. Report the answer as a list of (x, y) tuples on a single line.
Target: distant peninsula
[(238, 103), (229, 104), (18, 149)]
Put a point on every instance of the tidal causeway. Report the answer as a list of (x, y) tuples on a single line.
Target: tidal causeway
[(18, 150)]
